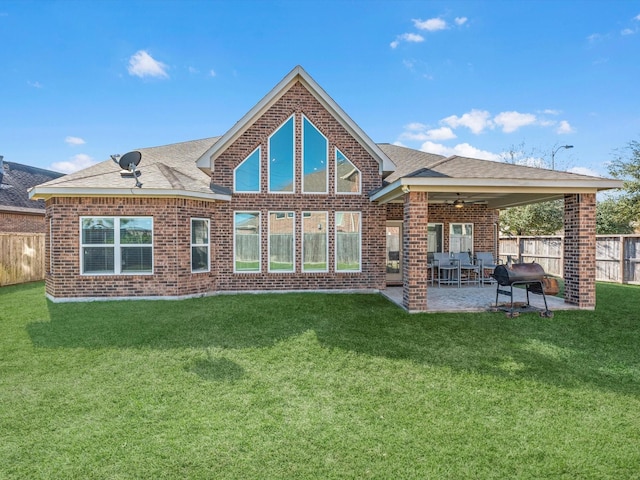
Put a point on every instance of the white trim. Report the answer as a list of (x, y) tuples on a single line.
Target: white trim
[(208, 244), (293, 239), (259, 270), (302, 149), (326, 253), (207, 159), (359, 270), (335, 167), (259, 150), (42, 192), (293, 153)]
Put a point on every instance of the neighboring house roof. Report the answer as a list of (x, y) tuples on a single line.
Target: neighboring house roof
[(15, 181), (298, 74), (168, 170), (497, 184)]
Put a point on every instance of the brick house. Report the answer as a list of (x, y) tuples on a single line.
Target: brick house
[(19, 213), (295, 196)]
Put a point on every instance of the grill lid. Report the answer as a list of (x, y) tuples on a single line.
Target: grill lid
[(518, 272)]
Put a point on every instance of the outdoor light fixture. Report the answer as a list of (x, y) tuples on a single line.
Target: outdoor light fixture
[(458, 203), (553, 154)]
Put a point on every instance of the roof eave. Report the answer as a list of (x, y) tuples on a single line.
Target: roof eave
[(48, 192)]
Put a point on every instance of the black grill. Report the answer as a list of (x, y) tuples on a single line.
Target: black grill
[(529, 275)]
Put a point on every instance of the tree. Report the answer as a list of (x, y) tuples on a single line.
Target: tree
[(537, 219), (610, 220), (626, 166)]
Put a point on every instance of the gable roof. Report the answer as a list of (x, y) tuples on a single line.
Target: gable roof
[(168, 170), (15, 181), (497, 184), (298, 74)]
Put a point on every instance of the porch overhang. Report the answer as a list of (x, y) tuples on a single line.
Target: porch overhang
[(495, 193)]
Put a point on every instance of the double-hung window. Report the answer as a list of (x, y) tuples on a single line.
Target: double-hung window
[(200, 245), (281, 241), (116, 245), (247, 243), (461, 237), (314, 242), (348, 241)]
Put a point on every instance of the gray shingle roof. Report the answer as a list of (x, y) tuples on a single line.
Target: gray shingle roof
[(168, 167), (17, 179)]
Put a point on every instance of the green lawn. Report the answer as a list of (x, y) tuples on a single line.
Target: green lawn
[(315, 386)]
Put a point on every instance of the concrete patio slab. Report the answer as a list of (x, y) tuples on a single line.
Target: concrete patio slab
[(474, 299)]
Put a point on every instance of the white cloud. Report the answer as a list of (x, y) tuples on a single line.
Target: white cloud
[(407, 37), (75, 163), (193, 70), (565, 127), (627, 31), (74, 141), (551, 111), (431, 25), (212, 73), (476, 120), (461, 20), (512, 121), (34, 84), (141, 64), (419, 132), (584, 171), (637, 17)]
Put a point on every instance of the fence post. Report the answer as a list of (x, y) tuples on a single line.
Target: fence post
[(623, 252)]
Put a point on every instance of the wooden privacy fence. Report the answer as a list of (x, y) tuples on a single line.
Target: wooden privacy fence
[(21, 257), (617, 256)]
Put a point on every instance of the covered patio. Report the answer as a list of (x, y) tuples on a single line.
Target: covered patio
[(466, 191)]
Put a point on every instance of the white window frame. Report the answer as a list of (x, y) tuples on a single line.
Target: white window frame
[(326, 179), (249, 272), (326, 253), (235, 189), (359, 269), (288, 215), (293, 146), (451, 234), (335, 163), (117, 253), (208, 244)]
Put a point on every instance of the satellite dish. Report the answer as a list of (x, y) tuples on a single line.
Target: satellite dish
[(129, 161)]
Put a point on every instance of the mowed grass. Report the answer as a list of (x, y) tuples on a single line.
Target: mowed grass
[(315, 386)]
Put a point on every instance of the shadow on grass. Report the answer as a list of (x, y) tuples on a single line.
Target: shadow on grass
[(574, 348)]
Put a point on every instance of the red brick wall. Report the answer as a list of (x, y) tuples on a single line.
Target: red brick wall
[(483, 220), (298, 101), (171, 248), (22, 222), (580, 250), (414, 243)]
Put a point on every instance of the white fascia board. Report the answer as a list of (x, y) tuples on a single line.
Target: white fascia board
[(298, 73), (48, 192), (483, 185)]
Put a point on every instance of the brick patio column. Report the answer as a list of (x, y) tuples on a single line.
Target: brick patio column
[(580, 250), (414, 260)]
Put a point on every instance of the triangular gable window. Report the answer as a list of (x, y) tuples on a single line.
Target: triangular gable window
[(246, 176), (348, 177), (281, 158)]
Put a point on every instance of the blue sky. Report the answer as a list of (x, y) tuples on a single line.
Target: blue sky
[(83, 80)]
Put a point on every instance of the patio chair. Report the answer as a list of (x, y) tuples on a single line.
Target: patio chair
[(448, 272), (469, 271), (486, 262)]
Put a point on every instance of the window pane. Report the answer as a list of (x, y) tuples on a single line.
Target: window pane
[(348, 241), (281, 249), (314, 159), (348, 176), (136, 259), (461, 237), (97, 260), (281, 158), (199, 231), (247, 242), (200, 259), (136, 231), (434, 237), (247, 174), (314, 243), (97, 231)]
